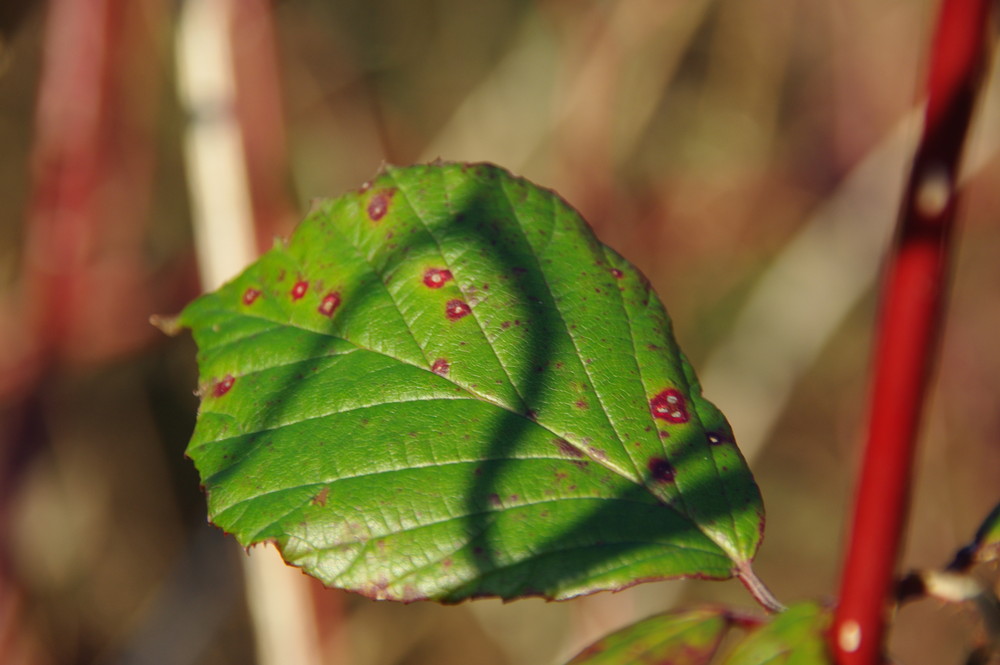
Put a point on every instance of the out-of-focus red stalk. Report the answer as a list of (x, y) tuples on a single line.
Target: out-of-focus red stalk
[(80, 275), (910, 316), (262, 122), (84, 287), (69, 161)]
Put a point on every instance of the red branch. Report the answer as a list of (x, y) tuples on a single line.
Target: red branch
[(912, 298)]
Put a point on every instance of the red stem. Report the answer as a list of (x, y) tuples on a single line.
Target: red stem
[(912, 298)]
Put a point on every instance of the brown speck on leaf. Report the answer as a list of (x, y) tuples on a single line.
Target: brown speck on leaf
[(320, 499), (567, 448)]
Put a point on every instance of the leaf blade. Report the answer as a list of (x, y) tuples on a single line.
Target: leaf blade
[(794, 637), (688, 637), (435, 330)]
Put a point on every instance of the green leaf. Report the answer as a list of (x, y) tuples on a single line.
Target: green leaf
[(684, 637), (794, 637), (986, 545), (444, 386)]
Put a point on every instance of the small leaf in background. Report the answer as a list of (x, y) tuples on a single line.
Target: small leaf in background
[(444, 386), (794, 637), (683, 637), (986, 544)]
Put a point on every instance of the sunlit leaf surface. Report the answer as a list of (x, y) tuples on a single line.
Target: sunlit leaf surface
[(444, 386)]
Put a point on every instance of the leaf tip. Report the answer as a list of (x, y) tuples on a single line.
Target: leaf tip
[(169, 325)]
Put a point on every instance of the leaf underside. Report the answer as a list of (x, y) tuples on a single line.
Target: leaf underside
[(794, 637), (986, 545), (444, 386), (690, 637)]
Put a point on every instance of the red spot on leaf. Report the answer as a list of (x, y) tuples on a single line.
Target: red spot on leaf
[(661, 470), (457, 309), (250, 295), (440, 367), (329, 305), (435, 278), (581, 404), (223, 387), (299, 289), (669, 405), (616, 273), (379, 204)]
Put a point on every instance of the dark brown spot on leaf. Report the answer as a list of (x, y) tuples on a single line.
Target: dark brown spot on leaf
[(716, 439), (567, 448), (661, 470)]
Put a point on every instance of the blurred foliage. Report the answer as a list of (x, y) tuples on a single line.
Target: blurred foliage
[(697, 137)]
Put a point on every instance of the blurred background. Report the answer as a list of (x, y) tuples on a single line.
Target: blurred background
[(747, 155)]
